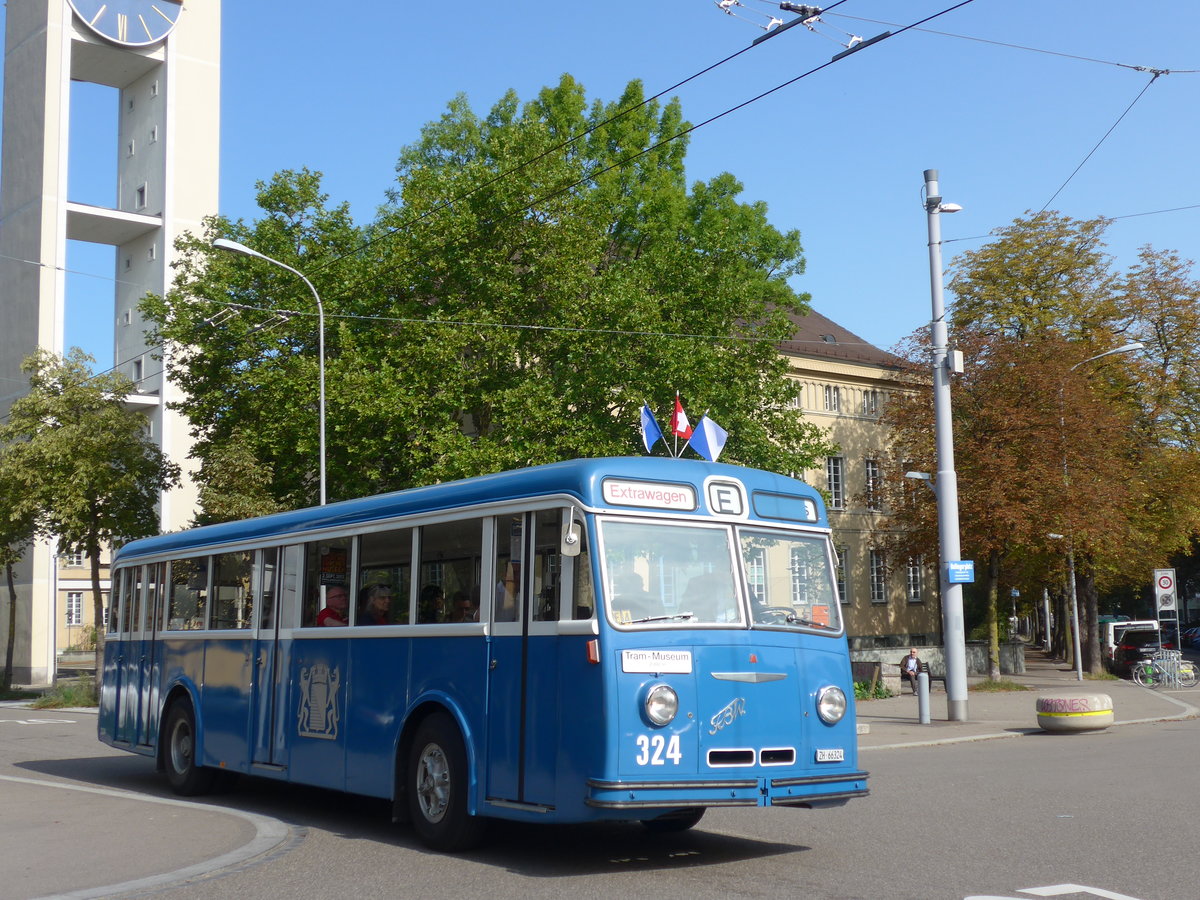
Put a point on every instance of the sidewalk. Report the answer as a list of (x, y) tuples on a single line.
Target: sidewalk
[(894, 722)]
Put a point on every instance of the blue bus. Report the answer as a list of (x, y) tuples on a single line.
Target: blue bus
[(635, 639)]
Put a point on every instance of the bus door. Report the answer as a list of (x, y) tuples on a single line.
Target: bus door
[(523, 688), (131, 657), (151, 590), (274, 585)]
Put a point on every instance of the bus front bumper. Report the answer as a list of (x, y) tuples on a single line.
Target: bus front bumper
[(813, 792)]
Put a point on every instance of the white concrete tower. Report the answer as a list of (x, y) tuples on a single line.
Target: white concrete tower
[(163, 57)]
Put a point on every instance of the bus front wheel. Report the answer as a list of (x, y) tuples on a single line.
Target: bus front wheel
[(183, 774), (437, 787)]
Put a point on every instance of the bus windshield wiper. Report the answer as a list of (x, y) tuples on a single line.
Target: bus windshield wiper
[(682, 615)]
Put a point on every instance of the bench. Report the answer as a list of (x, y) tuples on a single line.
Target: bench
[(924, 668)]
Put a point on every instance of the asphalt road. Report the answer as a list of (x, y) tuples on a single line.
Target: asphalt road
[(1022, 817)]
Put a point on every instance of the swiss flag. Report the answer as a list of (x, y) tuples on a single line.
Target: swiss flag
[(680, 427)]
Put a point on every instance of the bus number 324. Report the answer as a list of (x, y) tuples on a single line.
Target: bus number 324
[(655, 750)]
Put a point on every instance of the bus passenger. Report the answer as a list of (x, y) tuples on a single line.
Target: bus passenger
[(463, 608), (430, 608), (375, 605), (337, 602)]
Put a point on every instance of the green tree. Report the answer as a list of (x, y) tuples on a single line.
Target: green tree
[(90, 468), (1047, 441), (17, 529), (524, 289)]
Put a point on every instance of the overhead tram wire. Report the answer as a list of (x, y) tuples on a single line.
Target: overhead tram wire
[(969, 37), (1111, 129), (530, 207)]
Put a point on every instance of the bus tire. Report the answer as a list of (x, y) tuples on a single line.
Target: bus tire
[(185, 776), (436, 786), (672, 823)]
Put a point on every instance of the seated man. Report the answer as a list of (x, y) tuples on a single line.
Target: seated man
[(337, 604), (910, 667)]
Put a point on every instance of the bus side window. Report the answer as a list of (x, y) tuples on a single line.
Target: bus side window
[(583, 594), (114, 601), (451, 553), (385, 559), (233, 604), (326, 565), (547, 528), (507, 591), (189, 594)]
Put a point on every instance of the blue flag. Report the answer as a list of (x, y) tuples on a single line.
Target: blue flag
[(651, 433), (708, 438)]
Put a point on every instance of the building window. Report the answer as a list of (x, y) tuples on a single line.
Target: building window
[(137, 370), (870, 403), (840, 572), (835, 482), (874, 485), (131, 149), (74, 559), (154, 135), (154, 89), (833, 398), (913, 584), (878, 577), (74, 607), (139, 197), (756, 575), (152, 253)]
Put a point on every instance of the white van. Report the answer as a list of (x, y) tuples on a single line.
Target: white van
[(1110, 633)]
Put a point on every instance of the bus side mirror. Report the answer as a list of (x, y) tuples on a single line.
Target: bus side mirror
[(572, 535)]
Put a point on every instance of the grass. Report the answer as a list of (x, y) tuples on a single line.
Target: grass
[(18, 695), (997, 685), (73, 693)]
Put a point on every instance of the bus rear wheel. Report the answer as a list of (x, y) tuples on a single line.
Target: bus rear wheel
[(183, 774), (672, 823), (437, 787)]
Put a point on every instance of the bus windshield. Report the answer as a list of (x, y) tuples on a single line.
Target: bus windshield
[(789, 580), (660, 573)]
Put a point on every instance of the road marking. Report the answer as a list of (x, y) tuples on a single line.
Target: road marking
[(1058, 890), (269, 834), (39, 721)]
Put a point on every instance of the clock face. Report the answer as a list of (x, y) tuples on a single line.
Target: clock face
[(131, 23)]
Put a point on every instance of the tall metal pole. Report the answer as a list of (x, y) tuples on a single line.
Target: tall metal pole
[(235, 247), (1074, 613), (953, 627)]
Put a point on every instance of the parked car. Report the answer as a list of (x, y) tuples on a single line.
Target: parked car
[(1135, 645)]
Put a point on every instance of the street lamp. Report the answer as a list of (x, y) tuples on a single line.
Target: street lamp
[(235, 247), (954, 630), (1062, 427)]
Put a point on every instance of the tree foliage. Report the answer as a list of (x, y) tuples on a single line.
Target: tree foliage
[(93, 476), (1050, 439), (528, 283)]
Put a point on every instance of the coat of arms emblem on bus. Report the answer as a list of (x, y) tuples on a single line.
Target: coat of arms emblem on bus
[(318, 716)]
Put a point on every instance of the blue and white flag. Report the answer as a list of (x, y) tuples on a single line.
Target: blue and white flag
[(708, 438), (651, 433)]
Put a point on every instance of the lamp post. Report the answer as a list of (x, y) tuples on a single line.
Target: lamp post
[(1062, 428), (235, 247), (953, 627)]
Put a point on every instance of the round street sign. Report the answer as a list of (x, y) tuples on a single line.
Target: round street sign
[(1166, 582)]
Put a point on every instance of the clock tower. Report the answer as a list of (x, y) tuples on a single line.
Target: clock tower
[(163, 59)]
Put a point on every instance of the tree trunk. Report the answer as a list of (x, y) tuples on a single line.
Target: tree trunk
[(993, 602), (1089, 627), (93, 551), (12, 628)]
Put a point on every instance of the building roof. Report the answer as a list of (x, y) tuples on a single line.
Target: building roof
[(818, 335)]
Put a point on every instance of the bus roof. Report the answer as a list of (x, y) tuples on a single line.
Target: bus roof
[(582, 479)]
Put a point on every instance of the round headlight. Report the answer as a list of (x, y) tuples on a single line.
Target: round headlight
[(662, 703), (831, 704)]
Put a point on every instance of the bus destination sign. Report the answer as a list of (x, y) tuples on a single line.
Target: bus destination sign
[(649, 494)]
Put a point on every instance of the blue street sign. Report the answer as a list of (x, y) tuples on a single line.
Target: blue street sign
[(961, 572)]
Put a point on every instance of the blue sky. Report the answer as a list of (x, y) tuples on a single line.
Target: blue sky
[(838, 155)]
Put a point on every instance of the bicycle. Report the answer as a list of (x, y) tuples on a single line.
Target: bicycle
[(1165, 669)]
